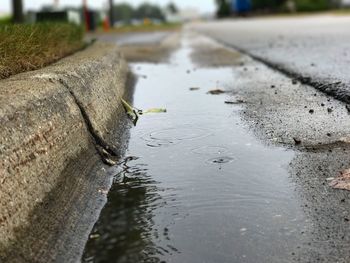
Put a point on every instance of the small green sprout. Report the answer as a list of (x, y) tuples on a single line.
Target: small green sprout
[(154, 110), (134, 113)]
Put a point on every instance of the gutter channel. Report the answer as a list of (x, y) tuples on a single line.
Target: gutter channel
[(335, 89)]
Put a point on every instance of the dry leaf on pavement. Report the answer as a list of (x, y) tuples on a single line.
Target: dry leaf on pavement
[(342, 181)]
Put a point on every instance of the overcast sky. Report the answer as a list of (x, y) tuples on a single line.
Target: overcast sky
[(202, 5)]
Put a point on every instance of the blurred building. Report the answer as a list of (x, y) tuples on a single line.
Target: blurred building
[(70, 16), (345, 3), (172, 17)]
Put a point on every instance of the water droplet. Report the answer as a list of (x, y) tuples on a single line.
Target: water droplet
[(173, 136), (221, 160)]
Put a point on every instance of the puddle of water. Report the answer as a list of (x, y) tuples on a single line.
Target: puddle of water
[(174, 135), (213, 194), (210, 150)]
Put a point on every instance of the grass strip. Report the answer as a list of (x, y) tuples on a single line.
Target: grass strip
[(29, 47)]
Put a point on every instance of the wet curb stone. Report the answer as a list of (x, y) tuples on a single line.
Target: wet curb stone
[(54, 121)]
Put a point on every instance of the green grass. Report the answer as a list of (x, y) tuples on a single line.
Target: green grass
[(341, 11), (5, 20), (312, 5), (336, 12), (29, 47)]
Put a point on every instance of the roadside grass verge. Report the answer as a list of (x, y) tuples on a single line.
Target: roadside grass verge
[(341, 11), (335, 12), (5, 20), (29, 47)]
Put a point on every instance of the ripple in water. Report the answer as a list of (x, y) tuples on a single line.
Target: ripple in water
[(210, 150), (125, 229), (221, 160), (171, 136)]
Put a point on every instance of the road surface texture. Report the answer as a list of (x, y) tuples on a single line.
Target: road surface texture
[(313, 49), (242, 176)]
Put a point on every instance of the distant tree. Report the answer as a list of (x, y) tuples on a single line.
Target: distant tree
[(268, 5), (223, 8), (147, 10), (123, 12), (17, 9), (172, 8), (313, 5)]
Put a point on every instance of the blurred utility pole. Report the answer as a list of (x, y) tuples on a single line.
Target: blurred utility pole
[(17, 11), (111, 13), (86, 15)]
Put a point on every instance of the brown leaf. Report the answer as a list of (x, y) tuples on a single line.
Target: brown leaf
[(237, 101), (297, 141), (342, 181), (194, 88), (216, 91)]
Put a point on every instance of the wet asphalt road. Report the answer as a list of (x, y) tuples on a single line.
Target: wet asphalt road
[(313, 48)]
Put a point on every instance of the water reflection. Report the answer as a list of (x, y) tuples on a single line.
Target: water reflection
[(228, 197), (171, 136), (125, 228)]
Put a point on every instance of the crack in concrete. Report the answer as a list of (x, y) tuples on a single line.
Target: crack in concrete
[(104, 150)]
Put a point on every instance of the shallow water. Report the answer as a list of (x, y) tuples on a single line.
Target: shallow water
[(196, 185)]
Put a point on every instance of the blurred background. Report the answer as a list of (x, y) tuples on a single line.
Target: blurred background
[(108, 14)]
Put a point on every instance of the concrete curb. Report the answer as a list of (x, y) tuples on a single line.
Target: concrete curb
[(54, 121)]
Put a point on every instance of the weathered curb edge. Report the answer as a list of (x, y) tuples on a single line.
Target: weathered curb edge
[(53, 120)]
